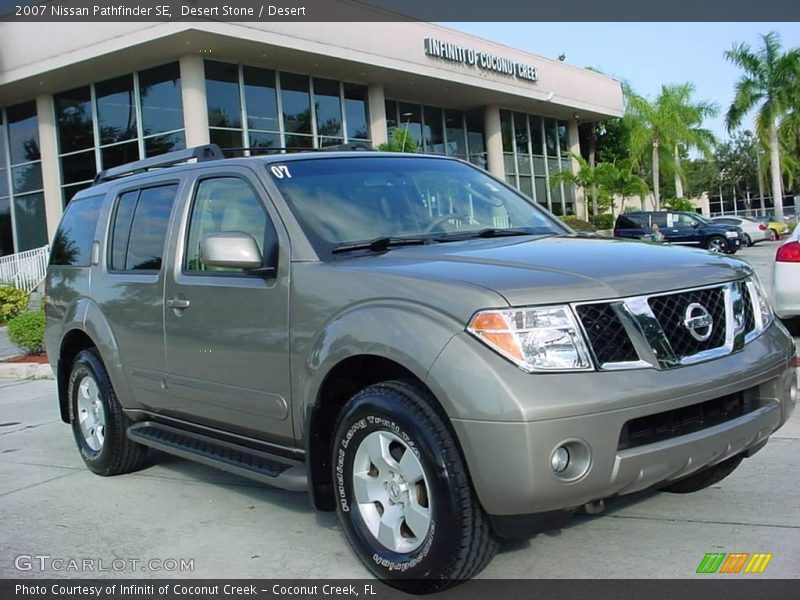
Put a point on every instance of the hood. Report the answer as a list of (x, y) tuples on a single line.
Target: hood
[(558, 269)]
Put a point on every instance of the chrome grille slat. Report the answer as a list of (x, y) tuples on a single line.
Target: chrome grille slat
[(653, 331)]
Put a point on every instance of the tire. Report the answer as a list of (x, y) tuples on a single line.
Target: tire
[(390, 433), (97, 420), (705, 478), (774, 236), (717, 244), (747, 241)]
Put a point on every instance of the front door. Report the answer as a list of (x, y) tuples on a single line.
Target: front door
[(226, 330)]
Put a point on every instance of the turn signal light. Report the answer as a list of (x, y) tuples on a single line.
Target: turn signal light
[(789, 253)]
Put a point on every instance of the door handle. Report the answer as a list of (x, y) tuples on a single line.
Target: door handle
[(180, 303)]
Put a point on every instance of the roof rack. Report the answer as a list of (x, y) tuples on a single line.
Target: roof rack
[(198, 153)]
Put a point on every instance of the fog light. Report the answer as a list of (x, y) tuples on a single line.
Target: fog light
[(560, 459)]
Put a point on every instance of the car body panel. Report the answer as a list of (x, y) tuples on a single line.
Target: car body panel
[(786, 284)]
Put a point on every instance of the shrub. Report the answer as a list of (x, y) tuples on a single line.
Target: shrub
[(604, 221), (27, 331), (12, 302), (578, 224)]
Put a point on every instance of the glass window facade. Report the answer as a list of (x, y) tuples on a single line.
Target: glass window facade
[(535, 148), (120, 120), (440, 131), (22, 212), (255, 108)]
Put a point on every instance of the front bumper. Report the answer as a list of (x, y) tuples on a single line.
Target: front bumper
[(509, 423)]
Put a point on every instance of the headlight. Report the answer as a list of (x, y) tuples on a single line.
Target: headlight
[(731, 234), (536, 339), (764, 314)]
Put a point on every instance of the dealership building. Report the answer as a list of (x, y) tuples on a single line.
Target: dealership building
[(76, 98)]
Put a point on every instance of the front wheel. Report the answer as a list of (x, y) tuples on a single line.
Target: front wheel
[(717, 244), (404, 498)]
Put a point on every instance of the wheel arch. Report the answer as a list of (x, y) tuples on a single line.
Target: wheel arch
[(342, 382)]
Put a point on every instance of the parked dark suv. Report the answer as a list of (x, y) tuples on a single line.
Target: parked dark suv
[(421, 347), (677, 227)]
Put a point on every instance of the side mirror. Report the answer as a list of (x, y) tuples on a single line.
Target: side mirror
[(695, 224), (232, 249)]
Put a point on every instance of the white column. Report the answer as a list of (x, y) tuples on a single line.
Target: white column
[(581, 202), (51, 172), (195, 109), (494, 141), (377, 114)]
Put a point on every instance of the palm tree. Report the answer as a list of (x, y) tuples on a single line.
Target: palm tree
[(585, 177), (620, 180), (662, 127), (769, 85)]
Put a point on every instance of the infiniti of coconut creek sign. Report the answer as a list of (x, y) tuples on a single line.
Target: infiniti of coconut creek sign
[(483, 60)]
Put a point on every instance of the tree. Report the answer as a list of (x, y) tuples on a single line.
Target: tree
[(663, 127), (586, 177), (769, 85), (620, 180), (401, 141)]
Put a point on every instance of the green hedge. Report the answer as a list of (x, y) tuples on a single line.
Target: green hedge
[(604, 221), (12, 302), (27, 331), (578, 224)]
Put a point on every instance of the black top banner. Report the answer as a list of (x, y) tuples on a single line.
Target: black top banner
[(398, 10)]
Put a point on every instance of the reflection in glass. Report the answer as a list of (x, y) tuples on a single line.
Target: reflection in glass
[(551, 137), (72, 244), (161, 144), (69, 191), (222, 95), (391, 116), (537, 141), (78, 167), (119, 154), (261, 99), (475, 137), (23, 132), (434, 138), (6, 235), (149, 228), (563, 137), (328, 106), (27, 178), (454, 132), (506, 131), (122, 228), (3, 179), (228, 138), (355, 106), (299, 141), (161, 102), (74, 114), (116, 116), (30, 221), (411, 121), (521, 132), (260, 139), (296, 103)]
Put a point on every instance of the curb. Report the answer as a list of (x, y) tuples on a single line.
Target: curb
[(26, 371)]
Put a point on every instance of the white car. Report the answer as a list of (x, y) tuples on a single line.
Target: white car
[(754, 231), (786, 280)]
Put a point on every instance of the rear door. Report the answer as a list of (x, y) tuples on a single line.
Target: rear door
[(226, 330)]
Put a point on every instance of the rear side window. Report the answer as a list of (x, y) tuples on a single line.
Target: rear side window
[(72, 245), (627, 222), (140, 228)]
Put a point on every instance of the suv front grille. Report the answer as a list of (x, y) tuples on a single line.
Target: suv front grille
[(682, 421), (670, 311), (608, 338), (670, 330)]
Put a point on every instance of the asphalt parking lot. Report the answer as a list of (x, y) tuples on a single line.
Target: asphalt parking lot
[(229, 527)]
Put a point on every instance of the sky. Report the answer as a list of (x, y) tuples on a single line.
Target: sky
[(646, 55)]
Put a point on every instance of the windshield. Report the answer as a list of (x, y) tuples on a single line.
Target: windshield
[(346, 200)]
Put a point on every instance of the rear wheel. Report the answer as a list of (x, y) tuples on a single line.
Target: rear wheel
[(774, 235), (404, 498), (97, 420), (705, 478), (748, 242), (717, 244)]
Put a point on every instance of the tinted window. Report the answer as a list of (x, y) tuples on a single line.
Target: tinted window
[(115, 110), (222, 94), (355, 105), (147, 231), (223, 204), (74, 114), (626, 222), (72, 244), (30, 221), (162, 104), (23, 133), (122, 229)]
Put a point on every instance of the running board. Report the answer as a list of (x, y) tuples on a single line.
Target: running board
[(267, 468)]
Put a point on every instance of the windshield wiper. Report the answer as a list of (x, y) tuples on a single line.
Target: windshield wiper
[(380, 244), (489, 232)]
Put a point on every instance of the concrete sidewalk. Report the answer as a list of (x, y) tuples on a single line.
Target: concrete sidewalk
[(7, 349)]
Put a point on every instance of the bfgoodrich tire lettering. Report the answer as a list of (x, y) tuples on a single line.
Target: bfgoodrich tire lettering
[(456, 542), (97, 420)]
